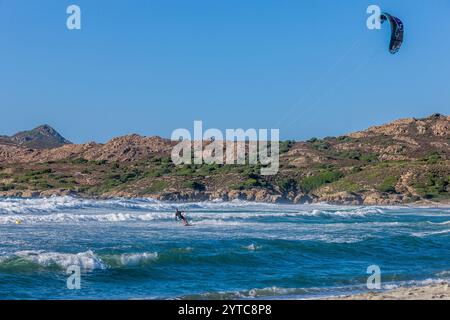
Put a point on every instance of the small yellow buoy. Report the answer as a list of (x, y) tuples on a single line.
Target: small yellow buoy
[(18, 222)]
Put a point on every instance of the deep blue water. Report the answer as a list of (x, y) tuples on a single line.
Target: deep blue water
[(134, 249)]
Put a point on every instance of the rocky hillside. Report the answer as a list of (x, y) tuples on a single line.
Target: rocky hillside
[(42, 137), (405, 161)]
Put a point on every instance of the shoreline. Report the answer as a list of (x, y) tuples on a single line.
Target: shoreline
[(438, 291), (418, 204)]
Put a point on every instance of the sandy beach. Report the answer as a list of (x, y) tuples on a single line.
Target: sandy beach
[(439, 291)]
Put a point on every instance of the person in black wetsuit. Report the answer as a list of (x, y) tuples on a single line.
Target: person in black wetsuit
[(179, 216)]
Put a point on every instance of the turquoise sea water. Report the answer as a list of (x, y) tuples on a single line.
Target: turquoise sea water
[(134, 249)]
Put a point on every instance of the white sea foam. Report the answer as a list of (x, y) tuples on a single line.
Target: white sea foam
[(55, 204), (307, 293), (218, 222), (251, 294), (445, 274), (252, 247), (430, 233), (274, 293), (390, 286), (135, 259), (75, 217), (197, 218), (349, 213), (202, 217), (58, 204), (439, 223), (426, 282), (85, 260)]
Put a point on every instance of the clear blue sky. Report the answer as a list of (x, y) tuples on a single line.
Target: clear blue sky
[(310, 67)]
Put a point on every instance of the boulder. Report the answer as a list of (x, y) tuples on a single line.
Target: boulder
[(303, 198), (343, 198)]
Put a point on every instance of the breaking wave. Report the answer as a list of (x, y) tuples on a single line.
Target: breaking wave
[(228, 218), (349, 213), (87, 261), (57, 204), (130, 259), (69, 209)]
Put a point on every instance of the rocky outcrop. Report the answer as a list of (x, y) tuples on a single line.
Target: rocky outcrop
[(436, 125), (42, 137), (378, 198), (401, 162), (255, 195), (129, 148), (38, 194), (123, 149), (303, 199), (346, 198)]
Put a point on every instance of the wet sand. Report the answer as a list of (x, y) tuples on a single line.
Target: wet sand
[(439, 291)]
